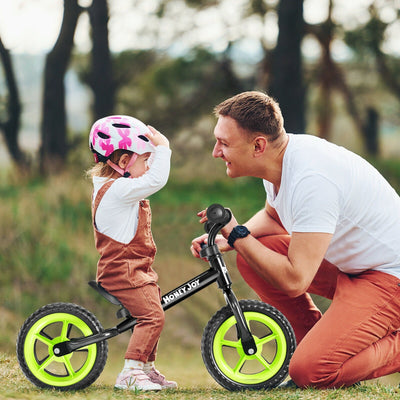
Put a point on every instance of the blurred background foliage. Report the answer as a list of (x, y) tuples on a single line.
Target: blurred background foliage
[(333, 68), (335, 75)]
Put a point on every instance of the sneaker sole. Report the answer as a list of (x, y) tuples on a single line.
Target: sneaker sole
[(124, 387)]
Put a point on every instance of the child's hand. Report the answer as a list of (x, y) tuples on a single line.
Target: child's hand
[(157, 138)]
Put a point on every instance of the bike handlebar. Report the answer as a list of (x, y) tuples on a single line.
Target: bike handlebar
[(218, 216)]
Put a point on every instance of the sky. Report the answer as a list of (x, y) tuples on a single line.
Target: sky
[(32, 26)]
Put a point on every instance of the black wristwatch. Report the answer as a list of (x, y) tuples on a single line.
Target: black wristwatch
[(238, 232)]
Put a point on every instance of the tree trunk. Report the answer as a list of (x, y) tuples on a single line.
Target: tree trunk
[(286, 72), (101, 79), (10, 126), (371, 132), (54, 147), (326, 74), (331, 77)]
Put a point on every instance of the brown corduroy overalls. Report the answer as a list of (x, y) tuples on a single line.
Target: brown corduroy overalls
[(125, 270)]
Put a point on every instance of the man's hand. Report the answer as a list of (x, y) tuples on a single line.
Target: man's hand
[(226, 230), (220, 240)]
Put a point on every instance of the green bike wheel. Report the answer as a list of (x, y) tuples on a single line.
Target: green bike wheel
[(50, 325), (225, 358)]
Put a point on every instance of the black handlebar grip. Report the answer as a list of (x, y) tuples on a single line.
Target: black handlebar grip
[(217, 214)]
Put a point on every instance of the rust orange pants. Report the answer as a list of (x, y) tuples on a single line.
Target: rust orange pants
[(143, 303), (356, 339)]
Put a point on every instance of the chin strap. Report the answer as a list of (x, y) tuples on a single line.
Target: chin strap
[(123, 172)]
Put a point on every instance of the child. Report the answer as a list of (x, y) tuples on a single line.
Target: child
[(133, 162)]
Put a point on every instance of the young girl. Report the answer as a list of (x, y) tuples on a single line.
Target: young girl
[(132, 162)]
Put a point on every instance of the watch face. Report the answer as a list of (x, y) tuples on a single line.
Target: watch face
[(238, 232), (241, 230)]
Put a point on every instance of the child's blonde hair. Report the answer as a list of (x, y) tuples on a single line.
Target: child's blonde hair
[(102, 169)]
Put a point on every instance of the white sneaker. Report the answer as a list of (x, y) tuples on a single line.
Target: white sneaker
[(156, 377), (135, 379)]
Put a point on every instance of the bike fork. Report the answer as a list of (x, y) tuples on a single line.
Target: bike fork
[(244, 334), (224, 282)]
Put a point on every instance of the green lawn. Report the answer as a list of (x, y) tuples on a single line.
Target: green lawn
[(194, 383)]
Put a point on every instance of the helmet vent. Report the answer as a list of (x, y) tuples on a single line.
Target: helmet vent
[(143, 138), (121, 126), (103, 135)]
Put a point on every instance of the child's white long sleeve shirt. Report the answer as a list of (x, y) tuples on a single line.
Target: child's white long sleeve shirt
[(118, 211)]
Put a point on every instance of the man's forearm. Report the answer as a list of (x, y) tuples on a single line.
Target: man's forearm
[(262, 224)]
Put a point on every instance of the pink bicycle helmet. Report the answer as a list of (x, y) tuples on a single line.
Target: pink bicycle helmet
[(119, 132)]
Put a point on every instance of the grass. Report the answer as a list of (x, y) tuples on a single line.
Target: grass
[(194, 385)]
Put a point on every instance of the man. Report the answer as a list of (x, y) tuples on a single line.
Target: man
[(330, 226)]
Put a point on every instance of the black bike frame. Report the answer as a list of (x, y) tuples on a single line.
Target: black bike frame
[(216, 273), (189, 288), (170, 299)]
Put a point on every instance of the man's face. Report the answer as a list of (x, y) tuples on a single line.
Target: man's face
[(233, 146)]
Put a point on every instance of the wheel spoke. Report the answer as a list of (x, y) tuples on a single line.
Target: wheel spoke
[(70, 326), (240, 364), (45, 364), (65, 330), (68, 367), (263, 361), (44, 339), (231, 343), (267, 339)]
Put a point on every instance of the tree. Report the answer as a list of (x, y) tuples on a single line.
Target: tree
[(330, 77), (54, 146), (368, 39), (286, 83), (367, 42), (100, 76), (11, 122), (173, 93)]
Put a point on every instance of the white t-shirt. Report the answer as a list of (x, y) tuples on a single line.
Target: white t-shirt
[(326, 188), (118, 212)]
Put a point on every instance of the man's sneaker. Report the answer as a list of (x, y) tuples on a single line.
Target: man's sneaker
[(288, 385), (136, 379), (157, 378)]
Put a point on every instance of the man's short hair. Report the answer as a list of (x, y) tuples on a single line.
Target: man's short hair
[(255, 112)]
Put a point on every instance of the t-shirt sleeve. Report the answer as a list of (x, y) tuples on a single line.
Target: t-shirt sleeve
[(270, 193), (315, 205)]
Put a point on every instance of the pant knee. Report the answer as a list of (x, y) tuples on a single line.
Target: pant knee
[(298, 371), (302, 373), (161, 318), (157, 318), (307, 372)]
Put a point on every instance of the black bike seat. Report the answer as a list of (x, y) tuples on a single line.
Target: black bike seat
[(99, 289)]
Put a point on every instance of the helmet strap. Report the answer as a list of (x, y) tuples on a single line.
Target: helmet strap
[(123, 172), (130, 163)]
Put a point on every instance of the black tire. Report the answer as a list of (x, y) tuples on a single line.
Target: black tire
[(52, 324), (225, 359)]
